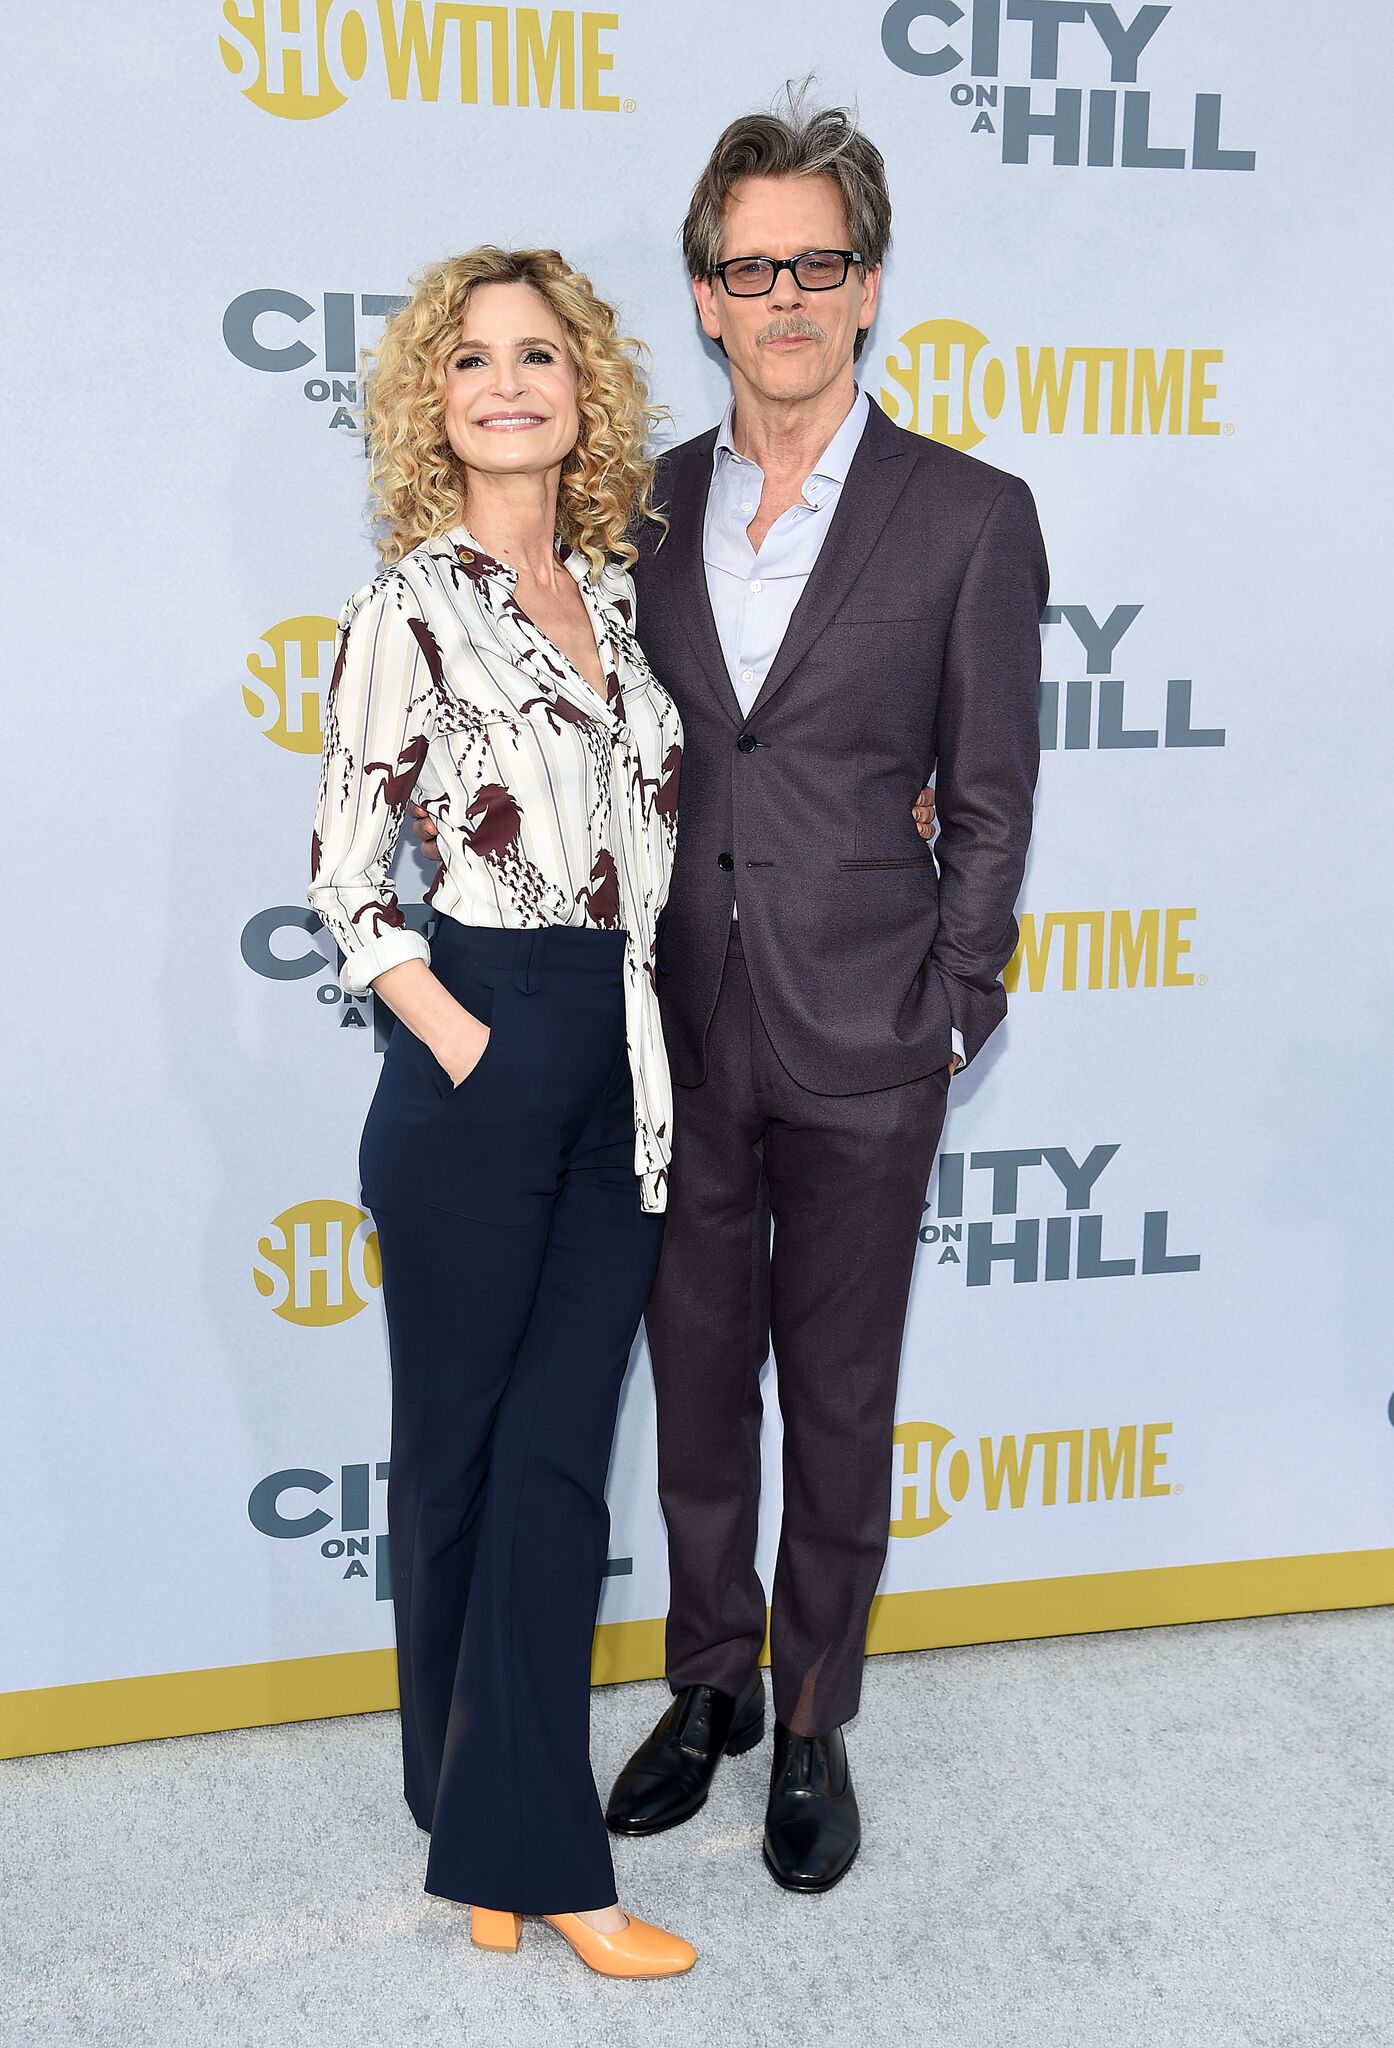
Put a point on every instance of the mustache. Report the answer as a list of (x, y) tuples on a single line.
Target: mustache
[(792, 327)]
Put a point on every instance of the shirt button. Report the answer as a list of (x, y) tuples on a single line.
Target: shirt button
[(757, 586), (725, 863), (746, 505), (747, 676)]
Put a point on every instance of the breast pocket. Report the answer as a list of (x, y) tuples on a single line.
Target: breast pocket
[(890, 664), (881, 597), (890, 611)]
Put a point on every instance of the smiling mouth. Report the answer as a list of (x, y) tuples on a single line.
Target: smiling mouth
[(511, 422)]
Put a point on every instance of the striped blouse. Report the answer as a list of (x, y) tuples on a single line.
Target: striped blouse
[(553, 808)]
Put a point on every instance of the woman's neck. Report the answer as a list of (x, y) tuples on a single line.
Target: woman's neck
[(514, 519)]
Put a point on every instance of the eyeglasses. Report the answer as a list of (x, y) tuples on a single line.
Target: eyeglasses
[(817, 270)]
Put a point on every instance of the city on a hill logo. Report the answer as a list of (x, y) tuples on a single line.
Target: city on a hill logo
[(1017, 1236), (290, 671), (945, 382), (1090, 122), (1046, 1468), (346, 1511), (1084, 713), (318, 1264), (271, 330), (288, 943), (296, 1503), (302, 59)]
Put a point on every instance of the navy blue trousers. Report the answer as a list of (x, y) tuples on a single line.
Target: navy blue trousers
[(515, 1262)]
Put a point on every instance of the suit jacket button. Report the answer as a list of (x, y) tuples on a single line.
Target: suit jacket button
[(747, 743), (725, 863)]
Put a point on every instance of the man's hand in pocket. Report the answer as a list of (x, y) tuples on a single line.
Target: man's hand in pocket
[(427, 833)]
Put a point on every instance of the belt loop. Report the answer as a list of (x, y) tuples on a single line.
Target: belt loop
[(527, 976)]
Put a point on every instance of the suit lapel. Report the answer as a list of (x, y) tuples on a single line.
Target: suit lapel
[(878, 474), (687, 512)]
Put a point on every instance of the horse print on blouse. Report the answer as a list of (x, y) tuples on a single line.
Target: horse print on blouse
[(398, 783), (664, 804), (602, 898), (495, 834)]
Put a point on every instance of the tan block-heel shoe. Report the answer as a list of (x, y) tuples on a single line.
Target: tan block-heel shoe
[(495, 1930), (636, 1950)]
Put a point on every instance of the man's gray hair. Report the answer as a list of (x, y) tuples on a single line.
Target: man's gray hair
[(825, 143)]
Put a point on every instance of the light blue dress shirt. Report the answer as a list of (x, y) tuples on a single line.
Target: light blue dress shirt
[(753, 595)]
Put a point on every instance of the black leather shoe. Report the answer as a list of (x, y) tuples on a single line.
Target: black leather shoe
[(670, 1774), (812, 1827)]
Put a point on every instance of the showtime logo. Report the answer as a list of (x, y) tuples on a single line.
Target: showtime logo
[(1043, 1468), (1101, 949), (302, 59), (289, 675), (318, 1264), (947, 384)]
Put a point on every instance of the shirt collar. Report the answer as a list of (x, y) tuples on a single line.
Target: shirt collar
[(611, 609), (459, 543), (834, 462)]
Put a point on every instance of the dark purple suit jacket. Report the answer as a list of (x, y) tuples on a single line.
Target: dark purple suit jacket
[(916, 640)]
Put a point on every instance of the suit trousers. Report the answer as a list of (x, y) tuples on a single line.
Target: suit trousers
[(843, 1177), (513, 1288)]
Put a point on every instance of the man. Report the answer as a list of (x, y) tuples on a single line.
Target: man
[(836, 606)]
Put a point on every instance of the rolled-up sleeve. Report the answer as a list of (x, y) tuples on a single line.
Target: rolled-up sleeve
[(378, 723)]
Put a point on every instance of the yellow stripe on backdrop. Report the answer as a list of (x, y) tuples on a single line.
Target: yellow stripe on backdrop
[(64, 1717)]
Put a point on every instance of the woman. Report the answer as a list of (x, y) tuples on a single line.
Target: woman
[(516, 1151)]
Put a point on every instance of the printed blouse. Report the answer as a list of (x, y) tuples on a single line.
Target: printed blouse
[(553, 807)]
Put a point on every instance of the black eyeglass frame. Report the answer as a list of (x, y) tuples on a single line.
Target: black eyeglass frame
[(778, 263)]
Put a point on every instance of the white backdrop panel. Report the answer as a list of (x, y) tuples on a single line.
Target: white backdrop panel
[(186, 480)]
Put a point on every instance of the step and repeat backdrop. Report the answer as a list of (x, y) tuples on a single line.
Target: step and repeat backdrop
[(1135, 261)]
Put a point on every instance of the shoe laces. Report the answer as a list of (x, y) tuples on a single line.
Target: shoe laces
[(806, 1765)]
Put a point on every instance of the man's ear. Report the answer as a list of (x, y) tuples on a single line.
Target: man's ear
[(705, 299), (871, 293)]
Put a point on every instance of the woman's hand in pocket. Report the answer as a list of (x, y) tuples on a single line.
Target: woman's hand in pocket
[(454, 1037), (461, 1047)]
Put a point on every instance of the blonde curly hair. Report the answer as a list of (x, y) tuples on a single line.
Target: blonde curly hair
[(417, 479)]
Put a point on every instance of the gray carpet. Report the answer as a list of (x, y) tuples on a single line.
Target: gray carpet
[(1172, 1836)]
